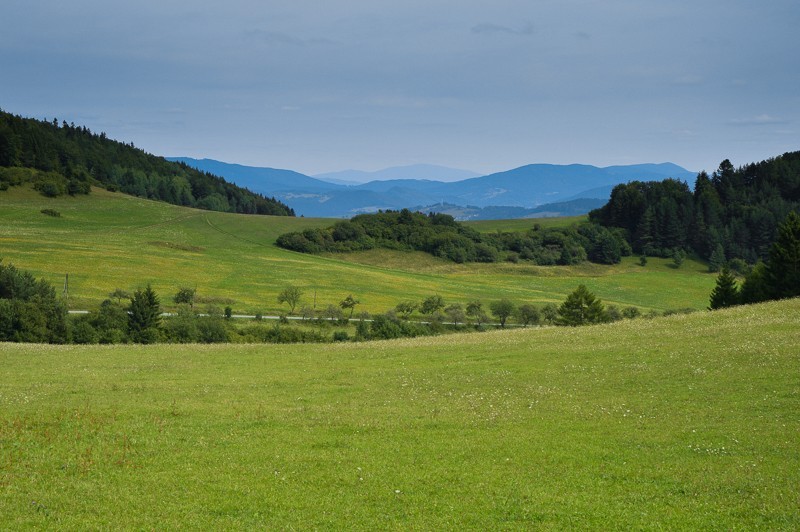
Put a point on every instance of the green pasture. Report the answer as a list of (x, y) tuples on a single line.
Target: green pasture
[(690, 422), (524, 224), (109, 240)]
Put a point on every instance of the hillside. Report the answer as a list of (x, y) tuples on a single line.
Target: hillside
[(110, 240), (65, 158), (681, 423)]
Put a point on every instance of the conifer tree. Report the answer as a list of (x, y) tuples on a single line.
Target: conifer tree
[(783, 268), (580, 308), (754, 288), (726, 293), (717, 259), (144, 316)]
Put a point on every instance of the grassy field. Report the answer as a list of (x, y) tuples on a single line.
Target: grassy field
[(110, 240), (687, 422), (523, 224)]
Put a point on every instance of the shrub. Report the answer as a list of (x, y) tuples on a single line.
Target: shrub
[(50, 189), (630, 313), (51, 212), (341, 336), (83, 332), (613, 313)]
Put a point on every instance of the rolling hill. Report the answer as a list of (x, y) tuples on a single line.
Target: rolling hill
[(681, 423), (109, 240)]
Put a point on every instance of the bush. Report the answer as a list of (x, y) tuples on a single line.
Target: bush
[(341, 336), (211, 330), (51, 212), (384, 328), (613, 313), (50, 189), (182, 328), (630, 313), (83, 332)]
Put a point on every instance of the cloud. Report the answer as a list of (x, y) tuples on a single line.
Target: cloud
[(494, 29), (688, 80), (760, 120), (278, 38)]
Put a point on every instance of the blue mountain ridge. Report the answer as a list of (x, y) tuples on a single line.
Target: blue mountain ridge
[(526, 187)]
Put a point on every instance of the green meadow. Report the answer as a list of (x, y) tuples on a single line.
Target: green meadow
[(109, 240), (686, 422), (523, 224)]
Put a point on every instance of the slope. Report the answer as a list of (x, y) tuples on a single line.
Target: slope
[(69, 158), (682, 423), (111, 240)]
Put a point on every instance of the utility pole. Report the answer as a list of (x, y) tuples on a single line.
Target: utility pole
[(66, 289)]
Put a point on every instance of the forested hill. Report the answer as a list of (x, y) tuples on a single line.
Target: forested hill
[(65, 158), (732, 214)]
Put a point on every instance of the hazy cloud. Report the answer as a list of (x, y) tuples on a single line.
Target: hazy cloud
[(760, 120), (280, 38), (354, 83), (488, 28)]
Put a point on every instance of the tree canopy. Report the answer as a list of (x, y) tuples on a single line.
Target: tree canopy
[(29, 308), (442, 236), (783, 267), (733, 213)]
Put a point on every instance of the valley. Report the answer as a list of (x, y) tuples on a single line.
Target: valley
[(109, 240)]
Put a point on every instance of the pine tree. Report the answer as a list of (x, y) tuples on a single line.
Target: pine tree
[(144, 316), (754, 288), (580, 308), (783, 268), (717, 260), (726, 293)]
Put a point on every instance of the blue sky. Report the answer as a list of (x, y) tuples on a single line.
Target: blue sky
[(485, 86)]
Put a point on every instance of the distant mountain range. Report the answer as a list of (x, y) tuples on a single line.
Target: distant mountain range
[(525, 189), (430, 172)]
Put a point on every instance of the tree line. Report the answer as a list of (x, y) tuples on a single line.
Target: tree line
[(776, 278), (442, 236), (67, 159), (732, 214), (30, 311)]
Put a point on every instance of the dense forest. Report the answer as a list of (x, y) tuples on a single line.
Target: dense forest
[(732, 214), (67, 159), (442, 236)]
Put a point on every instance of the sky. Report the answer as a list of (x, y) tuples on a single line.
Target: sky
[(367, 84)]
